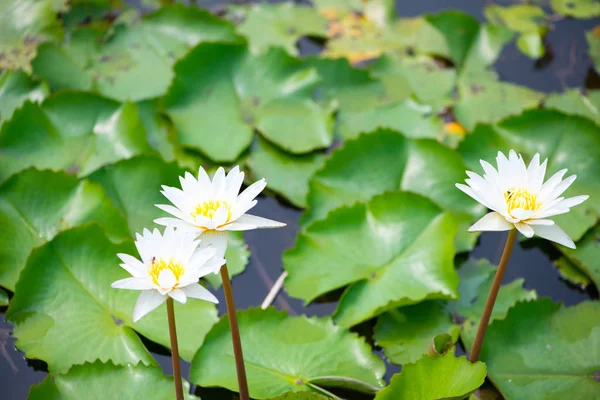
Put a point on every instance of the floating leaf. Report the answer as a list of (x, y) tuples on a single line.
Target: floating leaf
[(577, 8), (78, 132), (300, 396), (3, 298), (107, 381), (585, 257), (284, 353), (545, 351), (280, 25), (16, 87), (385, 160), (24, 24), (37, 205), (445, 377), (135, 63), (68, 279), (576, 103), (568, 142), (270, 92), (373, 246), (406, 333)]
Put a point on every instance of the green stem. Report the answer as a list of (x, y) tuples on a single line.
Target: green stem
[(174, 350), (235, 335), (489, 304)]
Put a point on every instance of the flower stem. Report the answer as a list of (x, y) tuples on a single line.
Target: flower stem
[(235, 335), (174, 350), (489, 304)]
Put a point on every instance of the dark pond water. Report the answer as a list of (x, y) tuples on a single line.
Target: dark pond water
[(569, 66)]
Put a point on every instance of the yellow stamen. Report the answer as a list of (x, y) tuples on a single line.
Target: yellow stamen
[(209, 208), (521, 198), (160, 265)]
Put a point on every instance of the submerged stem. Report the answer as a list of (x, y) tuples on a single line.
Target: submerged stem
[(235, 335), (174, 350), (489, 304), (274, 291)]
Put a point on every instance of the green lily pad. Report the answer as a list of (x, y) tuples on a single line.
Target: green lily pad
[(134, 186), (372, 246), (24, 24), (37, 205), (280, 25), (68, 279), (287, 174), (3, 298), (445, 377), (585, 258), (583, 9), (77, 132), (107, 381), (284, 353), (576, 103), (406, 333), (545, 351), (385, 160), (593, 39), (16, 87), (483, 99), (568, 141), (572, 272), (271, 93), (134, 63)]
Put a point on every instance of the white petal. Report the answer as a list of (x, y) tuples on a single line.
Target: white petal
[(132, 265), (133, 284), (173, 211), (491, 222), (522, 214), (561, 187), (247, 222), (469, 191), (179, 295), (204, 180), (572, 201), (555, 234), (201, 256), (148, 301), (550, 185), (525, 229), (220, 217), (546, 222), (196, 291), (252, 191), (166, 279), (177, 223), (218, 183), (177, 197), (233, 183), (216, 239), (240, 209)]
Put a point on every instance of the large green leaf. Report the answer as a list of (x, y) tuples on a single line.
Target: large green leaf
[(568, 142), (279, 25), (445, 377), (24, 24), (78, 132), (36, 205), (134, 186), (584, 258), (384, 160), (134, 63), (287, 174), (374, 246), (16, 87), (222, 92), (65, 311), (544, 351), (577, 8), (284, 353), (106, 381), (574, 102)]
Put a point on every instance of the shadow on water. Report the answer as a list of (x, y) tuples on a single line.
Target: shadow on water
[(567, 66)]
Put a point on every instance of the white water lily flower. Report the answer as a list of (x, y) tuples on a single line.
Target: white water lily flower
[(171, 266), (519, 198), (212, 208)]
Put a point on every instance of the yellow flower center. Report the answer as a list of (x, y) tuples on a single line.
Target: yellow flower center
[(209, 208), (521, 198), (159, 266)]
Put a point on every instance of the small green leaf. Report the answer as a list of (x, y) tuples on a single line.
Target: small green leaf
[(445, 377), (374, 246), (545, 351), (107, 381), (68, 279), (284, 353), (3, 298), (522, 18), (585, 258), (287, 174), (271, 92), (16, 87), (531, 44), (77, 132), (567, 141), (37, 205), (576, 103), (583, 9)]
